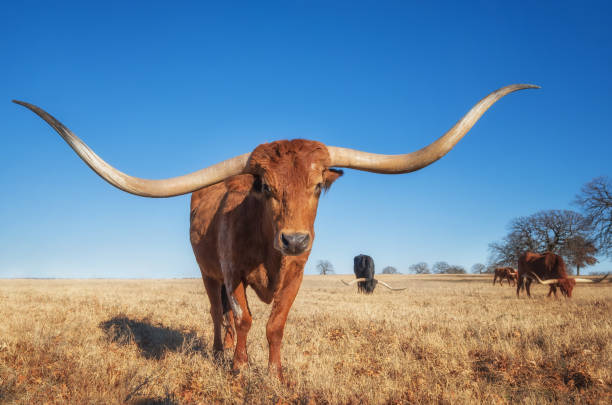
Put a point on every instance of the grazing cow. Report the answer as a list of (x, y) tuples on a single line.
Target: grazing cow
[(549, 269), (252, 217), (363, 267), (504, 273)]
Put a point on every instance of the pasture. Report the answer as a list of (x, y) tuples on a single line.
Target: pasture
[(445, 339)]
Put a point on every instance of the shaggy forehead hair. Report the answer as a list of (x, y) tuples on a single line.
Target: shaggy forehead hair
[(288, 157)]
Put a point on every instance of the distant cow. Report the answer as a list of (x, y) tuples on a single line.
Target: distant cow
[(505, 273), (547, 268), (363, 267)]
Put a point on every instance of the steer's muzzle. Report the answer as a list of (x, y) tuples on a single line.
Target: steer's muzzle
[(294, 243)]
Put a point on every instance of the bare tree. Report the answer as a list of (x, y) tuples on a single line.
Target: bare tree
[(455, 269), (390, 270), (543, 231), (419, 268), (478, 268), (490, 269), (440, 267), (596, 201), (580, 252), (553, 228), (505, 253), (445, 268), (325, 267)]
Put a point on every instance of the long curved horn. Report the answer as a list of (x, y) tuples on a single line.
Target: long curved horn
[(410, 162), (354, 281), (586, 280), (531, 275), (389, 287), (143, 187)]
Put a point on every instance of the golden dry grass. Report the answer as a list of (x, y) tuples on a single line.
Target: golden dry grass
[(446, 339)]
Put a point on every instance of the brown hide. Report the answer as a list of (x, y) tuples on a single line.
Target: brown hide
[(236, 229), (546, 266), (504, 273)]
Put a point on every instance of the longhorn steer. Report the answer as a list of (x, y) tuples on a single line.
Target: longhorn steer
[(252, 216), (547, 268), (504, 273), (363, 267)]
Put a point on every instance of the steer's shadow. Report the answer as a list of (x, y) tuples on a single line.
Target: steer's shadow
[(155, 401), (153, 340)]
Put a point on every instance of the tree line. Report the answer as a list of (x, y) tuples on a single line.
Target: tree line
[(579, 237), (325, 267)]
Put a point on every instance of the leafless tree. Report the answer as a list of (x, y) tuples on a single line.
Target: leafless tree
[(390, 270), (596, 201), (445, 268), (490, 269), (455, 269), (325, 267), (420, 268), (543, 231), (478, 268), (554, 228), (580, 252), (506, 252), (440, 267)]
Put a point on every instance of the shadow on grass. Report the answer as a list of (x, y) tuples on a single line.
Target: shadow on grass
[(152, 340), (168, 400)]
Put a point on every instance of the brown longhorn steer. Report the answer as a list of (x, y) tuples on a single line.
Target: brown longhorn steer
[(504, 273), (549, 269), (252, 216)]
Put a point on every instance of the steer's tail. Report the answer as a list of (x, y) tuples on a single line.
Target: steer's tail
[(225, 299)]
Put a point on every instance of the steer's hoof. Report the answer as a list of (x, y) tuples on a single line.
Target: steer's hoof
[(219, 357), (238, 366), (237, 372), (276, 372)]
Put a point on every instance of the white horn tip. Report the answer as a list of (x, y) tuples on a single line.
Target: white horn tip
[(526, 86)]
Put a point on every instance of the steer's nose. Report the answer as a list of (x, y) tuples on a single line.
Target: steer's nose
[(295, 243)]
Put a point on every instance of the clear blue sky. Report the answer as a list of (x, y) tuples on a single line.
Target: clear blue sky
[(160, 89)]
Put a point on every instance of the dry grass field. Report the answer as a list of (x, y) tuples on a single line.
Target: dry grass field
[(445, 339)]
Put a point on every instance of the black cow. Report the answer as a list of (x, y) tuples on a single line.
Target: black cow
[(364, 271), (364, 268)]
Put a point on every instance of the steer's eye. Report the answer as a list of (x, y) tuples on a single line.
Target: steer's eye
[(266, 189), (261, 187)]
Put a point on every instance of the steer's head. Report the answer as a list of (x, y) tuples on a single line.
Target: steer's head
[(289, 177), (566, 285)]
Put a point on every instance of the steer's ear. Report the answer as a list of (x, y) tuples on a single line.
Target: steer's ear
[(240, 184), (329, 176), (238, 187)]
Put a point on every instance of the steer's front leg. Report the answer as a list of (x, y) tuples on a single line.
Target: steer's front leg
[(242, 320), (283, 299)]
